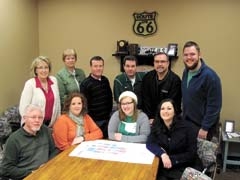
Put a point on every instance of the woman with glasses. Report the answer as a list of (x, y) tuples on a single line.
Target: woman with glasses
[(75, 125), (42, 90), (128, 124)]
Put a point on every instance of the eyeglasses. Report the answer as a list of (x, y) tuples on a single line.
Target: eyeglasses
[(41, 67), (35, 117), (161, 61), (126, 103)]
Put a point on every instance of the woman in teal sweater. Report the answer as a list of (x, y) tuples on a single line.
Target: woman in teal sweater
[(69, 78)]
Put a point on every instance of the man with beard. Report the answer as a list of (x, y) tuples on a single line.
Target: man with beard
[(29, 147), (158, 84), (202, 93), (129, 80)]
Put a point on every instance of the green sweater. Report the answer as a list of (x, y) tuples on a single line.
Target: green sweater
[(67, 83), (24, 152)]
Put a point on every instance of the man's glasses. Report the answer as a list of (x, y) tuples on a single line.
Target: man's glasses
[(160, 61), (35, 117)]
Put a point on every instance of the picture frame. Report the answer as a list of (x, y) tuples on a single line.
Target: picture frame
[(229, 126), (172, 49)]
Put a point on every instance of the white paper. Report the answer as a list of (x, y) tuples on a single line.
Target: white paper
[(233, 135), (114, 151)]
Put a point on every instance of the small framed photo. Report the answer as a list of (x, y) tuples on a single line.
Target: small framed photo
[(172, 49), (229, 126)]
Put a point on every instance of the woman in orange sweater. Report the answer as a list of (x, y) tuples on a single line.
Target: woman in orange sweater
[(75, 125)]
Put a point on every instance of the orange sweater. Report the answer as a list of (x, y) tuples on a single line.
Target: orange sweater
[(64, 131)]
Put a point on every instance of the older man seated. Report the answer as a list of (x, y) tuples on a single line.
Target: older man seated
[(29, 147)]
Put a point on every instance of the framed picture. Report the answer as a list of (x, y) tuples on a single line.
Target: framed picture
[(172, 49), (229, 126)]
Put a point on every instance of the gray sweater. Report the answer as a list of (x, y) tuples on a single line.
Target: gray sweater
[(142, 130)]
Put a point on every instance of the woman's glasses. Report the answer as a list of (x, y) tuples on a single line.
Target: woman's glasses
[(126, 103)]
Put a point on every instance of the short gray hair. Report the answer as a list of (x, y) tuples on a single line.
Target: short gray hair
[(31, 107)]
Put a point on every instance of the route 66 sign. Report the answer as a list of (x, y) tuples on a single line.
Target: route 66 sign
[(145, 23)]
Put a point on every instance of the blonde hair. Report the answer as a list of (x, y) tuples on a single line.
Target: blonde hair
[(69, 52), (37, 60)]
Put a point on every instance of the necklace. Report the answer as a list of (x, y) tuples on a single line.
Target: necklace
[(45, 86)]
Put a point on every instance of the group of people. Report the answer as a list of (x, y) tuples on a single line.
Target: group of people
[(179, 111), (156, 108)]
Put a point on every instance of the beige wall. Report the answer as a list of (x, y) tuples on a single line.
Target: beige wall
[(93, 27), (18, 45)]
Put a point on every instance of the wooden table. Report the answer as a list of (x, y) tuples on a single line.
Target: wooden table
[(64, 167)]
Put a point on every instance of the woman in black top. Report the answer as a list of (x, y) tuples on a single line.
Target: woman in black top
[(172, 140)]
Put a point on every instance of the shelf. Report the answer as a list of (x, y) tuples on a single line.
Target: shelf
[(142, 59)]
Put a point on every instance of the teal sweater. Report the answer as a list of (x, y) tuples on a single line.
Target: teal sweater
[(67, 83), (24, 152)]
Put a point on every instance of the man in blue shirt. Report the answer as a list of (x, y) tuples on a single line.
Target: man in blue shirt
[(201, 92)]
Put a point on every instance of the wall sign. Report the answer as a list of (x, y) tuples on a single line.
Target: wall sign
[(145, 23)]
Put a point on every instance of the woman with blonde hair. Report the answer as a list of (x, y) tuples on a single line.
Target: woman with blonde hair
[(42, 90), (69, 78)]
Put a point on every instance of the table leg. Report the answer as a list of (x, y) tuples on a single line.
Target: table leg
[(225, 156)]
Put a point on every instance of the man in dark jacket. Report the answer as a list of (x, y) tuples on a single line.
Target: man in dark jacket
[(129, 80), (159, 84), (202, 93)]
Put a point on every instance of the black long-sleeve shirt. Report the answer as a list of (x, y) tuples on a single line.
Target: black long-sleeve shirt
[(99, 97)]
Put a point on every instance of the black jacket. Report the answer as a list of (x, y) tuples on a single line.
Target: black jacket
[(154, 91), (178, 142)]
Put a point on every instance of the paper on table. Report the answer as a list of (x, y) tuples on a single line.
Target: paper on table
[(114, 151), (233, 134)]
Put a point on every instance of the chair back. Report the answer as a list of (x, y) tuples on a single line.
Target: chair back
[(207, 152), (193, 174)]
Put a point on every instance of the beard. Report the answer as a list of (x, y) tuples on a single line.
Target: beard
[(192, 67), (161, 70), (35, 129)]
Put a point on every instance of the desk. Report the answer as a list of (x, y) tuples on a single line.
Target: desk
[(66, 167), (227, 142)]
